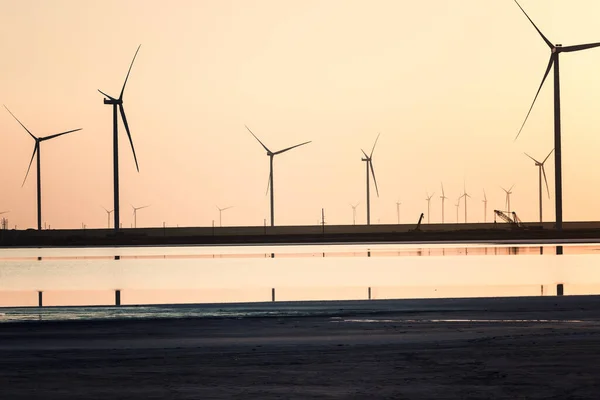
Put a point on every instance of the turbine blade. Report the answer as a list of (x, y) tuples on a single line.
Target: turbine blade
[(536, 28), (545, 180), (227, 208), (578, 47), (289, 148), (536, 95), (268, 184), (373, 174), (110, 97), (484, 196), (366, 156), (511, 187), (374, 144), (31, 134), (35, 148), (129, 135), (58, 134), (443, 195), (262, 144), (531, 158), (127, 77), (547, 156)]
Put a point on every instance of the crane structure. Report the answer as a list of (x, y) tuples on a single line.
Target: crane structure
[(515, 221)]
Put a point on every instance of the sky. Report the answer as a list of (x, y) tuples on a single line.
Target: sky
[(447, 84)]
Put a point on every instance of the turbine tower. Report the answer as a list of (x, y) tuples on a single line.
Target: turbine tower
[(443, 197), (555, 50), (118, 103), (37, 150), (508, 193), (457, 205), (484, 201), (369, 162), (220, 212), (108, 216), (135, 209), (354, 213), (428, 199), (398, 204), (541, 171), (272, 154), (465, 195)]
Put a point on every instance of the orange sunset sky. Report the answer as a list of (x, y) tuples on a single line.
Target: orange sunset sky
[(447, 83)]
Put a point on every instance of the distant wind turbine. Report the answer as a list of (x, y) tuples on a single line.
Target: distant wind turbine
[(555, 50), (118, 103), (484, 206), (457, 205), (443, 197), (541, 171), (508, 193), (108, 216), (465, 195), (428, 200), (398, 204), (37, 150), (369, 162), (354, 213), (220, 212), (272, 154), (135, 210)]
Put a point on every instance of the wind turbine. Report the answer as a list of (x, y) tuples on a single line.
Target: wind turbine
[(508, 193), (135, 209), (457, 205), (369, 162), (220, 212), (272, 154), (465, 195), (484, 206), (541, 171), (354, 212), (37, 150), (398, 204), (555, 50), (108, 216), (118, 103), (443, 197), (428, 199)]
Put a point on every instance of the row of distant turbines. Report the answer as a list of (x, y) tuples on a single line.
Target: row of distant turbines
[(117, 105)]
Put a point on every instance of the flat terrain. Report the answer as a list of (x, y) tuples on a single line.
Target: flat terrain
[(498, 349)]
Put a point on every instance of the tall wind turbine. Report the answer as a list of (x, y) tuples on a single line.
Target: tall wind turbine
[(457, 205), (541, 171), (220, 212), (555, 50), (443, 197), (369, 162), (484, 201), (354, 213), (272, 154), (398, 204), (37, 150), (118, 103), (508, 193), (428, 199), (465, 195), (108, 216), (135, 210)]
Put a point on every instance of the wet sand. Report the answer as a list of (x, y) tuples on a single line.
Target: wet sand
[(500, 349)]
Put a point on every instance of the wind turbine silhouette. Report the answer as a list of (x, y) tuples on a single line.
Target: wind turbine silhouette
[(369, 162), (108, 216), (443, 197), (135, 209), (541, 171), (272, 154), (428, 199), (398, 204), (555, 50), (37, 150), (465, 195), (457, 205), (508, 193), (484, 201), (354, 212), (118, 104), (220, 211)]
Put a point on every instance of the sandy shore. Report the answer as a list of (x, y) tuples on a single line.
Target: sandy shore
[(503, 349)]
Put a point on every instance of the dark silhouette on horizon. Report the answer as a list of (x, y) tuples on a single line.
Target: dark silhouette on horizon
[(369, 162), (272, 154), (118, 103), (541, 171), (37, 150)]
